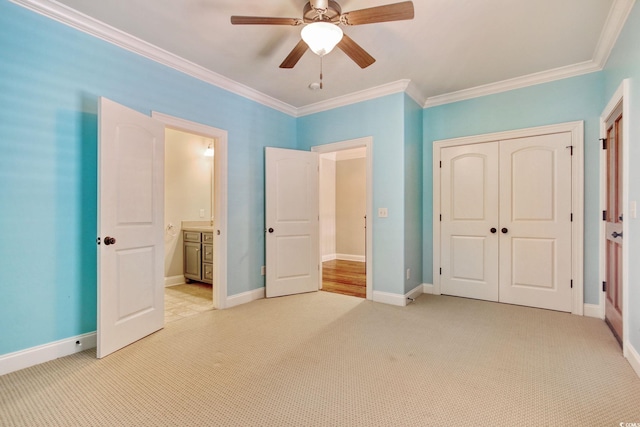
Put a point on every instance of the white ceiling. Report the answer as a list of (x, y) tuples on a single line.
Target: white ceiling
[(450, 45)]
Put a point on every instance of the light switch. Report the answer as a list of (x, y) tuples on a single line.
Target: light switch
[(383, 213), (632, 209)]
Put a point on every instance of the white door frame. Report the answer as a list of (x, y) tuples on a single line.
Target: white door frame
[(366, 142), (220, 197), (577, 202), (621, 95)]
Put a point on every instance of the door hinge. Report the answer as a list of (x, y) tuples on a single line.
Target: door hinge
[(571, 148), (440, 163), (604, 143), (571, 283), (440, 217), (571, 216), (441, 271), (604, 215), (98, 241), (604, 286)]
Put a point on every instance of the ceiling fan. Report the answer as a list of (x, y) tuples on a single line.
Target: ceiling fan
[(324, 16)]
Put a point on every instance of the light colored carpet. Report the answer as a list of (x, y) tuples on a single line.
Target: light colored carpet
[(324, 359)]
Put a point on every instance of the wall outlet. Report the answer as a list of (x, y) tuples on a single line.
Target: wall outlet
[(263, 270), (408, 273), (201, 213), (383, 213)]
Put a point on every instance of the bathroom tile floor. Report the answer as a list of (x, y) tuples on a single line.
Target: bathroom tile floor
[(186, 300)]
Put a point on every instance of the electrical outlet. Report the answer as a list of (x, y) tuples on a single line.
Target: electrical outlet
[(263, 270), (383, 213), (408, 273), (201, 213)]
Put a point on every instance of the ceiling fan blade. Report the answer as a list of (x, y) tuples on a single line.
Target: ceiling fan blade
[(390, 12), (264, 20), (292, 59), (355, 52)]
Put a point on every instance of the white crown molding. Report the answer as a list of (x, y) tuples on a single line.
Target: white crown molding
[(68, 16), (515, 83), (355, 97), (616, 19)]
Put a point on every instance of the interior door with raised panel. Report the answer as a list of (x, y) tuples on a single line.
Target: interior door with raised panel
[(469, 207), (613, 225), (535, 221)]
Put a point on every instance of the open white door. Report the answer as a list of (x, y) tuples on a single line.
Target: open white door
[(130, 226), (292, 232)]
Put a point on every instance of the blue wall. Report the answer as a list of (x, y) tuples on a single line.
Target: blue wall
[(578, 98), (623, 63), (382, 119), (50, 79), (412, 193)]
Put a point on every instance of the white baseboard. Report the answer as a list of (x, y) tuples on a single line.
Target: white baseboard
[(592, 310), (245, 297), (349, 257), (174, 280), (633, 357), (427, 288), (43, 353), (396, 299), (329, 257), (414, 293)]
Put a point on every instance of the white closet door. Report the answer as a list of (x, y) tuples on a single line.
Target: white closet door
[(469, 205), (535, 221)]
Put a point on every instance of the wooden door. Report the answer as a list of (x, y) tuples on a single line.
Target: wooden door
[(292, 222), (613, 227), (469, 224), (535, 221), (130, 222)]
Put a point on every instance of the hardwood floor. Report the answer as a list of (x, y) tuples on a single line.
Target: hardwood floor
[(344, 277)]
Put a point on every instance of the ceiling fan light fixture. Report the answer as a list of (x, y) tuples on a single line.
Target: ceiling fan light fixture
[(321, 37)]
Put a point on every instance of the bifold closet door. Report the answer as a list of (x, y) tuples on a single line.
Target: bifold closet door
[(469, 206), (535, 221)]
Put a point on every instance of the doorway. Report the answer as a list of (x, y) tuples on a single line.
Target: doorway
[(345, 219), (188, 216), (202, 207)]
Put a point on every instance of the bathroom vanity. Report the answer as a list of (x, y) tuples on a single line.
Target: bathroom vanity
[(198, 254)]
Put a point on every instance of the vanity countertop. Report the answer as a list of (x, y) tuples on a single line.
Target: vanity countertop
[(202, 226)]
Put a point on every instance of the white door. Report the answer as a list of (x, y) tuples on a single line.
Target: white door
[(469, 205), (506, 221), (130, 226), (292, 233), (535, 221)]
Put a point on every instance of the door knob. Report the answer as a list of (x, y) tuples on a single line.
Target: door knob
[(493, 229), (505, 230), (270, 230), (109, 240), (616, 234)]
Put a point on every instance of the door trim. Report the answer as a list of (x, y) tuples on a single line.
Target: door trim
[(220, 196), (366, 142), (577, 198), (621, 95)]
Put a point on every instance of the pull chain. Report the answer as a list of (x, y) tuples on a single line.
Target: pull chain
[(321, 72)]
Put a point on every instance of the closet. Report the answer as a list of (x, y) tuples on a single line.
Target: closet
[(505, 220)]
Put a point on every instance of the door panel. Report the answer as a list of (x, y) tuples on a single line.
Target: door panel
[(131, 202), (535, 221), (292, 218), (613, 226), (469, 211)]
